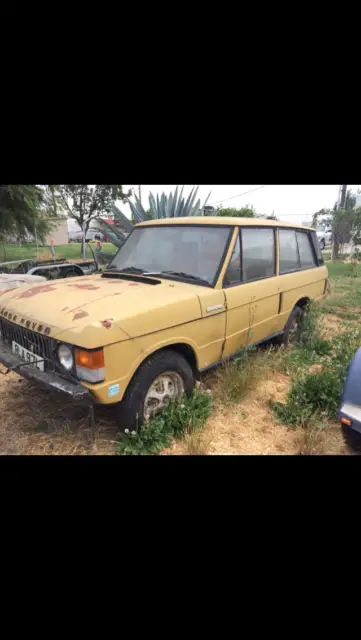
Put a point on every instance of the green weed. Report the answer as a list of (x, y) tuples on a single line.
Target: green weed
[(319, 394), (177, 421)]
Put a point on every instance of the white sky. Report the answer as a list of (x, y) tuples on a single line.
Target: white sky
[(290, 203)]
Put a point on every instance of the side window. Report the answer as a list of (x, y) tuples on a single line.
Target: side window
[(233, 274), (258, 253), (317, 248), (289, 258), (305, 249)]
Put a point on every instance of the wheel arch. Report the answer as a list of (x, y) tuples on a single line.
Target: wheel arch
[(303, 303)]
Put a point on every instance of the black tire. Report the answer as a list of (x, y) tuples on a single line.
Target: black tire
[(71, 273), (322, 244), (289, 336), (130, 411), (351, 438)]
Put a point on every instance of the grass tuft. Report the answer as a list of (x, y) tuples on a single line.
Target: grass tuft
[(177, 421)]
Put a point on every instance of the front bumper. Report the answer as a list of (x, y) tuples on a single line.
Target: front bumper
[(48, 380)]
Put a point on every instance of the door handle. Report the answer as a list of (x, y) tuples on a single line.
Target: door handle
[(216, 307)]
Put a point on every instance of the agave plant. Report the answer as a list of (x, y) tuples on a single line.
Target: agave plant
[(167, 206)]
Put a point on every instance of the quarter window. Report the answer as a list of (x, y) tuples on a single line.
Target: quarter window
[(289, 258), (258, 253), (306, 254)]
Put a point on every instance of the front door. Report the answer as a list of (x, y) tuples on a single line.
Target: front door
[(252, 289)]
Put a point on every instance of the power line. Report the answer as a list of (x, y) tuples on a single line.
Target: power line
[(239, 195)]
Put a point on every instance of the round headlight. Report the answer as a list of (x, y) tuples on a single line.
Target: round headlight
[(65, 357)]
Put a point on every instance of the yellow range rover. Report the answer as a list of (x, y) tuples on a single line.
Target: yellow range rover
[(180, 296)]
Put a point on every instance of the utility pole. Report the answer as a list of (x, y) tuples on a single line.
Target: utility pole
[(343, 191)]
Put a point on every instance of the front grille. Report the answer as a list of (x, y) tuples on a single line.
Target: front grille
[(35, 342)]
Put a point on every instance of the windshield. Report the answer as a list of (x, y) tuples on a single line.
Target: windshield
[(183, 249)]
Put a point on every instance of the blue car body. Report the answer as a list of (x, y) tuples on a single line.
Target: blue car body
[(350, 408)]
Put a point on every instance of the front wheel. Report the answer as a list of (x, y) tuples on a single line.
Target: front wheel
[(162, 379)]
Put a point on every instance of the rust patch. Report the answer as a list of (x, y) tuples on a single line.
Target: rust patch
[(80, 314), (34, 291), (22, 320), (40, 328), (27, 324), (47, 331), (10, 316), (107, 323), (88, 287), (5, 313), (15, 318)]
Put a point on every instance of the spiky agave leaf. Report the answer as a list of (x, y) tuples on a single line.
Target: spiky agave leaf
[(121, 217), (115, 235), (152, 204), (179, 205), (195, 210)]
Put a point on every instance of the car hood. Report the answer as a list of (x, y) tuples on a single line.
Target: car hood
[(95, 311)]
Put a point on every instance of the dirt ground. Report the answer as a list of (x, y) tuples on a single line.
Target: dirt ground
[(34, 422)]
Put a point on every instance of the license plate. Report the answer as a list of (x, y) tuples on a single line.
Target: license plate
[(28, 356)]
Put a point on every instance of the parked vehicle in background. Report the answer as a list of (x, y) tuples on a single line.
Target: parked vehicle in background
[(350, 409), (181, 296), (324, 236), (90, 236), (50, 269)]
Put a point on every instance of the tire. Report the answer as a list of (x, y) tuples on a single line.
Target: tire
[(289, 336), (130, 411), (71, 273), (351, 438), (322, 244)]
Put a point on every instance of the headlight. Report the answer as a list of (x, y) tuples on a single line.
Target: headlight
[(65, 357)]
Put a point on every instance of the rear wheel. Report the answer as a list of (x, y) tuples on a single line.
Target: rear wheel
[(293, 327), (322, 244), (162, 379)]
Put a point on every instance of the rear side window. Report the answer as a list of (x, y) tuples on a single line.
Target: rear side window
[(306, 253), (258, 253), (289, 258)]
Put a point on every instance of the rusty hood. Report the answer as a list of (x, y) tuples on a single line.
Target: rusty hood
[(95, 311)]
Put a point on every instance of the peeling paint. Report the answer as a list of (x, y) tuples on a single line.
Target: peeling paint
[(88, 287), (80, 314), (34, 291), (47, 331), (107, 323)]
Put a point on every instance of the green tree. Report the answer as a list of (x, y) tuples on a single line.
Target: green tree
[(24, 209), (85, 202), (244, 212)]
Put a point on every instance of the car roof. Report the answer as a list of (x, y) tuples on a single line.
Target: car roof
[(220, 220)]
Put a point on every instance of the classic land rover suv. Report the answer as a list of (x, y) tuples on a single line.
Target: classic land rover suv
[(180, 296)]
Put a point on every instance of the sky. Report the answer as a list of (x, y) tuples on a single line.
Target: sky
[(290, 203)]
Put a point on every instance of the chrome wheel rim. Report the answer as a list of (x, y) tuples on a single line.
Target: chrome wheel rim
[(166, 388)]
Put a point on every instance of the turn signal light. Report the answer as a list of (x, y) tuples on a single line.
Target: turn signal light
[(90, 359), (347, 422)]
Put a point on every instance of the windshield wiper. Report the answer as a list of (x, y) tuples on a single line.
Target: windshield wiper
[(181, 274), (126, 269)]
